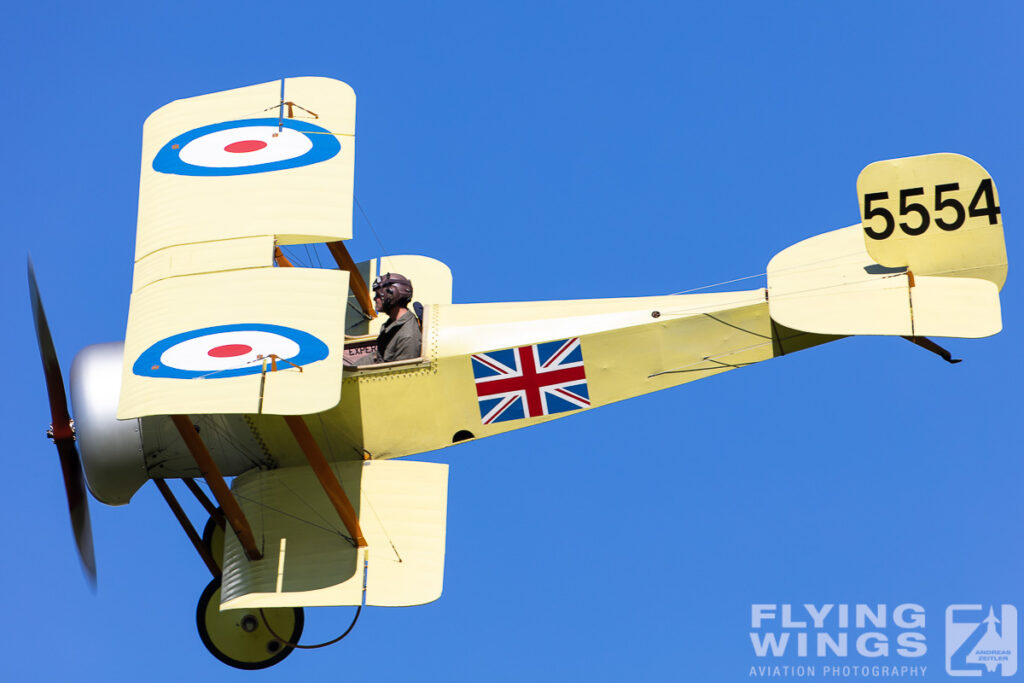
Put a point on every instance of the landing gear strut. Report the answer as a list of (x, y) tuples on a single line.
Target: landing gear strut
[(242, 638)]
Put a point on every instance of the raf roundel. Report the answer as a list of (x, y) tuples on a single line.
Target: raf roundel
[(247, 146), (228, 351)]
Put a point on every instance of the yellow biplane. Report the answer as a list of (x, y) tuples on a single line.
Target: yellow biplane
[(237, 364)]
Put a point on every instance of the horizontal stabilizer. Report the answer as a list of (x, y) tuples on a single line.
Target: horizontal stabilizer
[(829, 284), (307, 558)]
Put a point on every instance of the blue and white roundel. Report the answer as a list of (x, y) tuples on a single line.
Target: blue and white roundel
[(247, 146), (228, 351)]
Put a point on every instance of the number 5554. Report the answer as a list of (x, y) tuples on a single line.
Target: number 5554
[(949, 212)]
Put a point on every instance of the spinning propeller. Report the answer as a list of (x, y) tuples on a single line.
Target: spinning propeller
[(62, 432)]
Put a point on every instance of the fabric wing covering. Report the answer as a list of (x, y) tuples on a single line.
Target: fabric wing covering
[(203, 344), (213, 326), (308, 559), (222, 166)]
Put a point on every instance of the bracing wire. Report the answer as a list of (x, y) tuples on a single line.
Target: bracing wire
[(261, 504), (366, 218), (718, 284), (290, 253), (224, 437)]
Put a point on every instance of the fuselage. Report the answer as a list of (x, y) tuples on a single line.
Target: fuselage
[(485, 369)]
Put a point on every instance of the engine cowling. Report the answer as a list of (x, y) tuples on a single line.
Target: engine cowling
[(118, 456), (112, 453)]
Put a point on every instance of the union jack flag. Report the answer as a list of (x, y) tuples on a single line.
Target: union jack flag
[(530, 381)]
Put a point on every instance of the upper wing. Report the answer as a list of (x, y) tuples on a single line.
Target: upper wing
[(221, 166)]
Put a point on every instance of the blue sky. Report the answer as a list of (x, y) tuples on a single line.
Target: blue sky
[(552, 151)]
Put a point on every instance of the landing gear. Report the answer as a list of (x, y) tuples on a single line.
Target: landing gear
[(240, 637), (213, 539)]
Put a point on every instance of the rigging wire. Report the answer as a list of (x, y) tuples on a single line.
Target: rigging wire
[(261, 504), (380, 521), (362, 492), (330, 451), (366, 218), (360, 320), (359, 609), (312, 509), (717, 284), (226, 440), (290, 253), (822, 264), (802, 266), (264, 506), (806, 267), (313, 255)]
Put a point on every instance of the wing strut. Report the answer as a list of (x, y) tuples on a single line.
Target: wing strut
[(215, 480), (281, 259), (345, 262), (355, 281), (322, 470)]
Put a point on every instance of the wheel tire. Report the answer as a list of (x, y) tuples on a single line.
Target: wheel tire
[(239, 637), (213, 539)]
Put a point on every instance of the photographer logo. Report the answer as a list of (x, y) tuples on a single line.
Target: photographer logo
[(981, 640)]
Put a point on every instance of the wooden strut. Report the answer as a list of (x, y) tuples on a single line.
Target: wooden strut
[(329, 482), (355, 278), (345, 262), (282, 260), (218, 487), (190, 531), (217, 515)]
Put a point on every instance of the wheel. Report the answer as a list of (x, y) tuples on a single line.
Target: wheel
[(239, 637), (213, 539)]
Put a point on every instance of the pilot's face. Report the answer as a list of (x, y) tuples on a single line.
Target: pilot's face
[(377, 303)]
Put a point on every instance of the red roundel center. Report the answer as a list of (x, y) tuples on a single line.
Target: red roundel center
[(229, 351), (243, 146)]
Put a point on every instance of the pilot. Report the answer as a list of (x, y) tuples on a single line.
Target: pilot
[(400, 337)]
